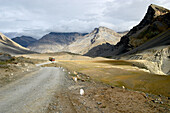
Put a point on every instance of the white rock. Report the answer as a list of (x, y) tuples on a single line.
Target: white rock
[(75, 72), (81, 92), (78, 76), (75, 79), (123, 87)]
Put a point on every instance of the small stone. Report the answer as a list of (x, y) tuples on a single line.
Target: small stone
[(112, 87), (75, 72), (103, 106), (123, 87), (161, 102), (144, 94), (81, 92), (159, 99), (99, 103), (83, 80)]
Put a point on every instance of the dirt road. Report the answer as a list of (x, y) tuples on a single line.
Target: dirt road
[(31, 93)]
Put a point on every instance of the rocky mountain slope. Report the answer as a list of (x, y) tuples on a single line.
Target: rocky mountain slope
[(148, 41), (55, 42), (9, 46), (24, 40), (152, 31), (156, 60), (79, 43), (98, 36)]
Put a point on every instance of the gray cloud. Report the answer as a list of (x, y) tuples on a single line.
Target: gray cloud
[(38, 17)]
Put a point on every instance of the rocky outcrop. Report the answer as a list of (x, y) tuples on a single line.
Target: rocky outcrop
[(156, 60), (5, 57), (24, 40), (55, 42)]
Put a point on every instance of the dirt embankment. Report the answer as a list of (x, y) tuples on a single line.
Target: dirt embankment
[(99, 97)]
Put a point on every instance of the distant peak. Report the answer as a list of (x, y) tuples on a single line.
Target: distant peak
[(63, 33), (102, 29)]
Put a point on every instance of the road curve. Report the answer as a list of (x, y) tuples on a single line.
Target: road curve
[(31, 93)]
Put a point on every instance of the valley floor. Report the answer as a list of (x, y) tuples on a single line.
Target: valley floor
[(51, 88), (102, 98)]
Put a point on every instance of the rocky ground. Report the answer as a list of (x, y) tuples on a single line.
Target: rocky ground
[(98, 97), (10, 70), (103, 98)]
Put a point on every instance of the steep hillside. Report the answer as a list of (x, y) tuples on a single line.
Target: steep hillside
[(9, 46), (152, 31), (55, 42), (97, 37), (24, 40), (7, 41)]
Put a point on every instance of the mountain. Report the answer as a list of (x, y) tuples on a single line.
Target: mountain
[(149, 41), (151, 32), (9, 46), (55, 42), (98, 36), (12, 34), (74, 42), (24, 40)]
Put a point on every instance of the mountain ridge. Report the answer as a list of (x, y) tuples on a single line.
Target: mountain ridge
[(75, 42), (24, 40)]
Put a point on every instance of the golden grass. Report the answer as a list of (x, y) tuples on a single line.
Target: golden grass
[(121, 73)]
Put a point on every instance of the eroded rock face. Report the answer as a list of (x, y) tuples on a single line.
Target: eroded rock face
[(97, 37), (156, 60)]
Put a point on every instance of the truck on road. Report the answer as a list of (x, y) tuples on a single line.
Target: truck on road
[(51, 59)]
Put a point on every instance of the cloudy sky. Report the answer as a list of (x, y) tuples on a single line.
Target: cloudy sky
[(39, 17)]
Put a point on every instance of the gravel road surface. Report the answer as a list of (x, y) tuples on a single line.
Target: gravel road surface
[(31, 93)]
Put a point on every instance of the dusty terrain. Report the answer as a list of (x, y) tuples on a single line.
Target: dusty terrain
[(102, 80), (128, 73), (102, 98), (120, 73)]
